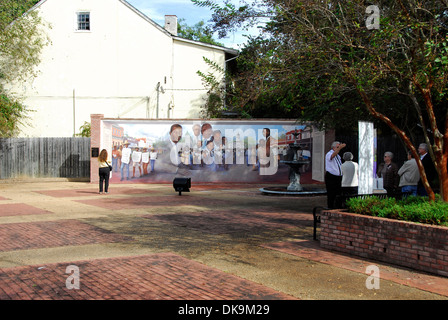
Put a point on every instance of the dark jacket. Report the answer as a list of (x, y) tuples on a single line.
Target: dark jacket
[(391, 179), (430, 171)]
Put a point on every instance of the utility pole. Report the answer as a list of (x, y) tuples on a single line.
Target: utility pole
[(158, 93), (74, 114)]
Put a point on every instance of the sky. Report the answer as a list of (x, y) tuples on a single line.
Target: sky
[(185, 9)]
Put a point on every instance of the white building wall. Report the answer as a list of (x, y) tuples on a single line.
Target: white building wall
[(113, 69), (188, 60)]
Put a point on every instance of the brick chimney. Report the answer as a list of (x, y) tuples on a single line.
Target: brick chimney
[(171, 24)]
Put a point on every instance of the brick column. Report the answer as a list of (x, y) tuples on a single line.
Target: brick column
[(95, 142)]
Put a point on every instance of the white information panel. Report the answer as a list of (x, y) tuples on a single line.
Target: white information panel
[(366, 157)]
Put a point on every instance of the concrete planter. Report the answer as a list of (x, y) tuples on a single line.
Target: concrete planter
[(417, 246)]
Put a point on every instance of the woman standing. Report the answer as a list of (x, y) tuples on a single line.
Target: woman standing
[(388, 170), (104, 171), (349, 175)]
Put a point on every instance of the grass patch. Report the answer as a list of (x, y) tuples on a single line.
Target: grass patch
[(414, 209)]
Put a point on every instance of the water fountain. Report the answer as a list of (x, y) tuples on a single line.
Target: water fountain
[(295, 162)]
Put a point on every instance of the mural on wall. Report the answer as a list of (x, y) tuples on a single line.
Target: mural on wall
[(205, 151)]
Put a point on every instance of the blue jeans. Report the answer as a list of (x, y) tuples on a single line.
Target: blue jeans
[(115, 164), (125, 165), (153, 162), (412, 190)]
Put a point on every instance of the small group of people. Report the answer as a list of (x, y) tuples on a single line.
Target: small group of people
[(342, 177), (339, 177), (407, 179), (208, 149), (141, 159)]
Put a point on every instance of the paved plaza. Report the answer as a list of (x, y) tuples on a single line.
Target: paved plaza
[(145, 242)]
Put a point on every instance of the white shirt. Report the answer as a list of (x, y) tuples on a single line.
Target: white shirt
[(153, 155), (333, 166), (349, 174), (126, 155), (174, 154)]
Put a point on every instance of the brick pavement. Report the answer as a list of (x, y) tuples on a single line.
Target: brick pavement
[(17, 209), (29, 235), (220, 251), (224, 222), (149, 201), (163, 276), (64, 193)]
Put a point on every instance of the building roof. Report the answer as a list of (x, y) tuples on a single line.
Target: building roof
[(157, 26)]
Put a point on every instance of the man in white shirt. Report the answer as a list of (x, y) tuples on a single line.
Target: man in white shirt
[(170, 160), (136, 161), (195, 144), (125, 160), (207, 134), (333, 174)]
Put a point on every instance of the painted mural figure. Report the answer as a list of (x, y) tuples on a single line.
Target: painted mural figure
[(195, 144), (208, 156), (145, 160), (262, 154), (136, 161), (125, 160), (227, 153), (218, 150), (115, 158), (252, 158), (207, 134), (153, 158), (172, 148)]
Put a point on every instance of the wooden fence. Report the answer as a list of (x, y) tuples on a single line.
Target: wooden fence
[(44, 158)]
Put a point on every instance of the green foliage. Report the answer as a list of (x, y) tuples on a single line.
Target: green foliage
[(12, 114), (199, 32), (414, 209), (84, 130), (218, 85), (21, 42), (10, 10)]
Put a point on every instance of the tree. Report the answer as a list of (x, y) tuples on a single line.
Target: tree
[(12, 113), (333, 44), (21, 42), (198, 32)]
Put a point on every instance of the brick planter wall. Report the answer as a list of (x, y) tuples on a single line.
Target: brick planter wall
[(417, 246)]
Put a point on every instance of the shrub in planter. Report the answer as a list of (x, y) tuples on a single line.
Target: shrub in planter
[(414, 209)]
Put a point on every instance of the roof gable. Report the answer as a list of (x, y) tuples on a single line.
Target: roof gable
[(157, 26), (128, 5)]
